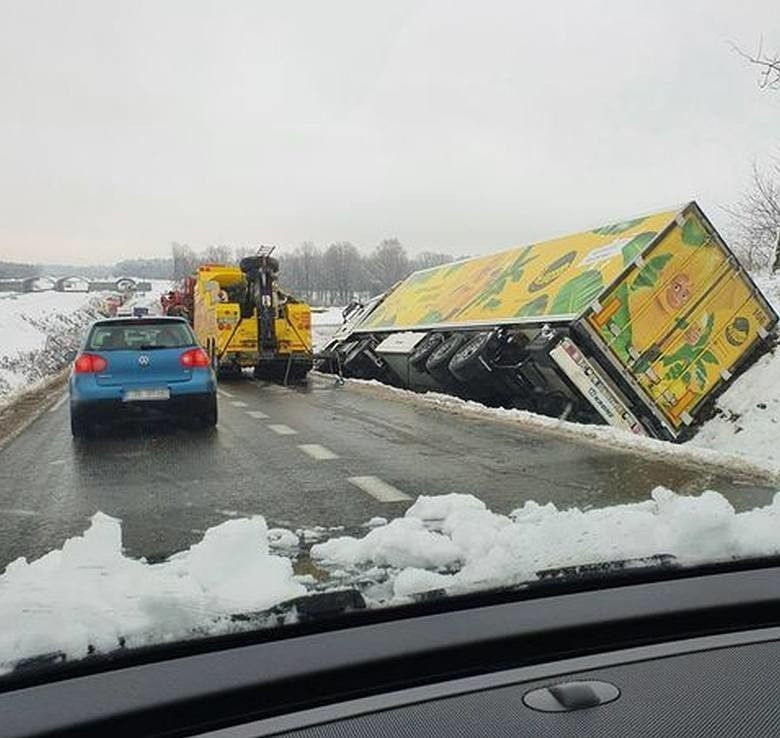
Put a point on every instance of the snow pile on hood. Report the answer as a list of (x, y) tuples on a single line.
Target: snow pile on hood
[(37, 329), (455, 542), (88, 595)]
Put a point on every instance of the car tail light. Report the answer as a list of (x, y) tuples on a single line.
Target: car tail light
[(195, 357), (89, 364)]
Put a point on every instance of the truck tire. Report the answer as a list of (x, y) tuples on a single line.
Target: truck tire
[(438, 362), (467, 364), (357, 363), (424, 349)]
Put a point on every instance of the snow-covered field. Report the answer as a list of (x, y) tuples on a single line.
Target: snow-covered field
[(37, 329), (89, 595), (324, 323)]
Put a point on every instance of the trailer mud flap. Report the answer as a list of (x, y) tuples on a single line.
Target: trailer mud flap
[(588, 380)]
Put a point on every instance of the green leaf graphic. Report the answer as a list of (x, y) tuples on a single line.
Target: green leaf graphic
[(578, 292), (432, 317), (651, 271), (620, 227), (620, 343), (693, 233), (636, 245), (536, 306)]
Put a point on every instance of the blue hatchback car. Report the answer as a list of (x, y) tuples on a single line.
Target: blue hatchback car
[(141, 367)]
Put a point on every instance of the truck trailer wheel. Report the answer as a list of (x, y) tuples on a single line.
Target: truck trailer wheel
[(467, 363), (438, 362), (358, 363), (424, 349)]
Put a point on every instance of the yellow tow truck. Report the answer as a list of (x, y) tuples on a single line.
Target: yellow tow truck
[(244, 319)]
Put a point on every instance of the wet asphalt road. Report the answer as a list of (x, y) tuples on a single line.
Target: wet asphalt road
[(362, 456)]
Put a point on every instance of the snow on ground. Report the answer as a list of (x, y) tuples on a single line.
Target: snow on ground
[(748, 418), (324, 323), (88, 595), (37, 329)]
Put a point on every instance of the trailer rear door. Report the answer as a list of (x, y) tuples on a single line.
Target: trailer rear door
[(680, 319)]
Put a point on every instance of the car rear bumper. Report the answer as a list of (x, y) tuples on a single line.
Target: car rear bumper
[(115, 410)]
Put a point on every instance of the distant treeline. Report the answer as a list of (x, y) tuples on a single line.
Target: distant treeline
[(329, 275), (140, 268)]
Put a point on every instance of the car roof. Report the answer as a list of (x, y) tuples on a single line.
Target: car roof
[(145, 320)]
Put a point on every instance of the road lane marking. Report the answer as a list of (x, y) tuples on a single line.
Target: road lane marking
[(282, 430), (257, 414), (378, 489), (57, 405), (225, 393), (17, 511), (238, 403), (317, 452), (57, 462)]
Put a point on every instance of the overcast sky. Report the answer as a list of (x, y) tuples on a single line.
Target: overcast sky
[(461, 127)]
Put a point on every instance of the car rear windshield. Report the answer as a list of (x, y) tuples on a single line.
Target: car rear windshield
[(142, 335)]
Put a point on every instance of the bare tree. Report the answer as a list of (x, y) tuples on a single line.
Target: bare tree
[(768, 64), (388, 264), (428, 259), (185, 261), (756, 220)]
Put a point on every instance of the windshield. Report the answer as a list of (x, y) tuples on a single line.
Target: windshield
[(403, 301), (139, 335)]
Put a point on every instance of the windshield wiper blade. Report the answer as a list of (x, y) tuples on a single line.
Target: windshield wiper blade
[(599, 569), (309, 608)]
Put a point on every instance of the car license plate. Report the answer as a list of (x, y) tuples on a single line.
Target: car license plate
[(153, 393)]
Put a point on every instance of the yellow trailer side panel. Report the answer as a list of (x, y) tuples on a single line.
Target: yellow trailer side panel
[(681, 318), (553, 280)]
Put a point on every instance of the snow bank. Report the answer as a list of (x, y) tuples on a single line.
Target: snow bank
[(455, 542), (88, 595), (324, 324), (37, 329)]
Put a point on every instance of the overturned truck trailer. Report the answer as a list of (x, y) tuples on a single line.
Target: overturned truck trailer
[(634, 324)]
